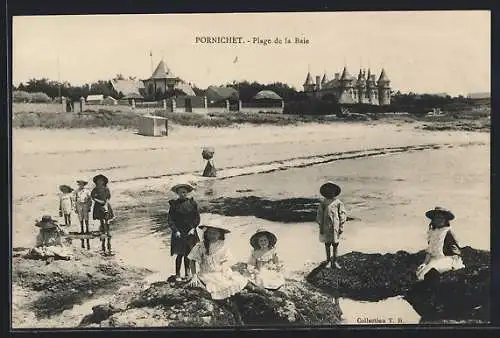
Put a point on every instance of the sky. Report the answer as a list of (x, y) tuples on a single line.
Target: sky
[(421, 51)]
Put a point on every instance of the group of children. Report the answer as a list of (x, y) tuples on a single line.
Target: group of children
[(264, 267), (80, 200)]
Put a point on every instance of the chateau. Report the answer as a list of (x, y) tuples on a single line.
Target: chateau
[(347, 89)]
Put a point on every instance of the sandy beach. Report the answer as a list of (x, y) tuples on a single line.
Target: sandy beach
[(386, 190)]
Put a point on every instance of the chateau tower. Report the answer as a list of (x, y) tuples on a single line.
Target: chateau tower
[(384, 89), (308, 83), (361, 84)]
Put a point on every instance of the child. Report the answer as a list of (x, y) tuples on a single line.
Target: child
[(102, 211), (265, 260), (213, 257), (83, 203), (66, 203), (443, 252), (49, 243), (331, 216), (184, 217)]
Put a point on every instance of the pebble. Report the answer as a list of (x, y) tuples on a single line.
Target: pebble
[(206, 319)]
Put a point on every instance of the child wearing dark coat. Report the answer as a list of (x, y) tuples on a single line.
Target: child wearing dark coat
[(102, 211), (184, 217)]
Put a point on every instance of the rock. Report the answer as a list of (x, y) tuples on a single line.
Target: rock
[(456, 295), (165, 304), (462, 294)]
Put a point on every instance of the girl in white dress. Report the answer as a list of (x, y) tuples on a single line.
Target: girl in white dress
[(66, 203), (213, 257), (443, 252), (264, 264)]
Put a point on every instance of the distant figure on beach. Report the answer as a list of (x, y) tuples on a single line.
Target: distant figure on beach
[(66, 203), (331, 216), (103, 211), (183, 217), (208, 154), (213, 257), (443, 252), (83, 204), (49, 244), (264, 263)]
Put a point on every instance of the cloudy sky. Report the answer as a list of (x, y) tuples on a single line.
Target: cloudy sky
[(431, 51)]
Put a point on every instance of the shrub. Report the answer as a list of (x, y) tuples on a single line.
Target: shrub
[(21, 96)]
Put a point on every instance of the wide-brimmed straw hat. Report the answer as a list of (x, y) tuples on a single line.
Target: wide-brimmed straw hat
[(186, 186), (100, 177), (442, 211), (254, 240), (329, 188), (65, 188), (47, 222), (81, 182), (214, 225)]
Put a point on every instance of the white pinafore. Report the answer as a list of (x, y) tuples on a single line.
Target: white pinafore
[(438, 260)]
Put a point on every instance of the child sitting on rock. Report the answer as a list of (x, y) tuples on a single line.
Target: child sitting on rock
[(443, 252), (49, 244), (213, 257), (331, 216), (264, 263)]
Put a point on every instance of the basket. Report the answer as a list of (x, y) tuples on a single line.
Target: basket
[(207, 153)]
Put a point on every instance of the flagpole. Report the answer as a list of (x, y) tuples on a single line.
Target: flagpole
[(59, 77)]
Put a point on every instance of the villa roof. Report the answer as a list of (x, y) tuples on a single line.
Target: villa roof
[(309, 80), (267, 94), (162, 72), (221, 93)]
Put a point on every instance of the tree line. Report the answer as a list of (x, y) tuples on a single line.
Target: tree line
[(409, 102)]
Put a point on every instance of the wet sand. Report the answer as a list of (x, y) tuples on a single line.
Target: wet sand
[(387, 194)]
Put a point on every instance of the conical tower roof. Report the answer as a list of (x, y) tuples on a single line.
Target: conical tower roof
[(309, 80), (383, 76), (345, 75), (361, 78), (325, 79), (162, 72)]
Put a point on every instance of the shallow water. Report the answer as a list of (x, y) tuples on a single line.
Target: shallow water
[(388, 195)]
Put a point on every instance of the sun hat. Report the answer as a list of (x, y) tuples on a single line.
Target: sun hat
[(187, 186), (439, 210), (254, 240), (100, 177), (65, 188), (47, 222), (329, 188), (81, 182), (214, 224)]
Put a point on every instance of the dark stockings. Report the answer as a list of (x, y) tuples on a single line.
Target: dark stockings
[(106, 241), (67, 220), (86, 231), (178, 263)]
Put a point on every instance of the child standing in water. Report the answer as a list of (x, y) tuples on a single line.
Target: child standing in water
[(331, 216), (264, 261), (66, 203), (184, 217), (83, 203), (443, 252), (102, 211)]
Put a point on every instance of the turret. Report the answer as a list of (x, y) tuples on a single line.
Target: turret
[(318, 82), (384, 88), (361, 86), (308, 83), (324, 80)]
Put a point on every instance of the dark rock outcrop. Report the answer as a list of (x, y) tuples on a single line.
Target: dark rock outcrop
[(171, 304), (459, 295)]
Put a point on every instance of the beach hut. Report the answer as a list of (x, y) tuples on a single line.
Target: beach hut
[(153, 126), (95, 99)]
